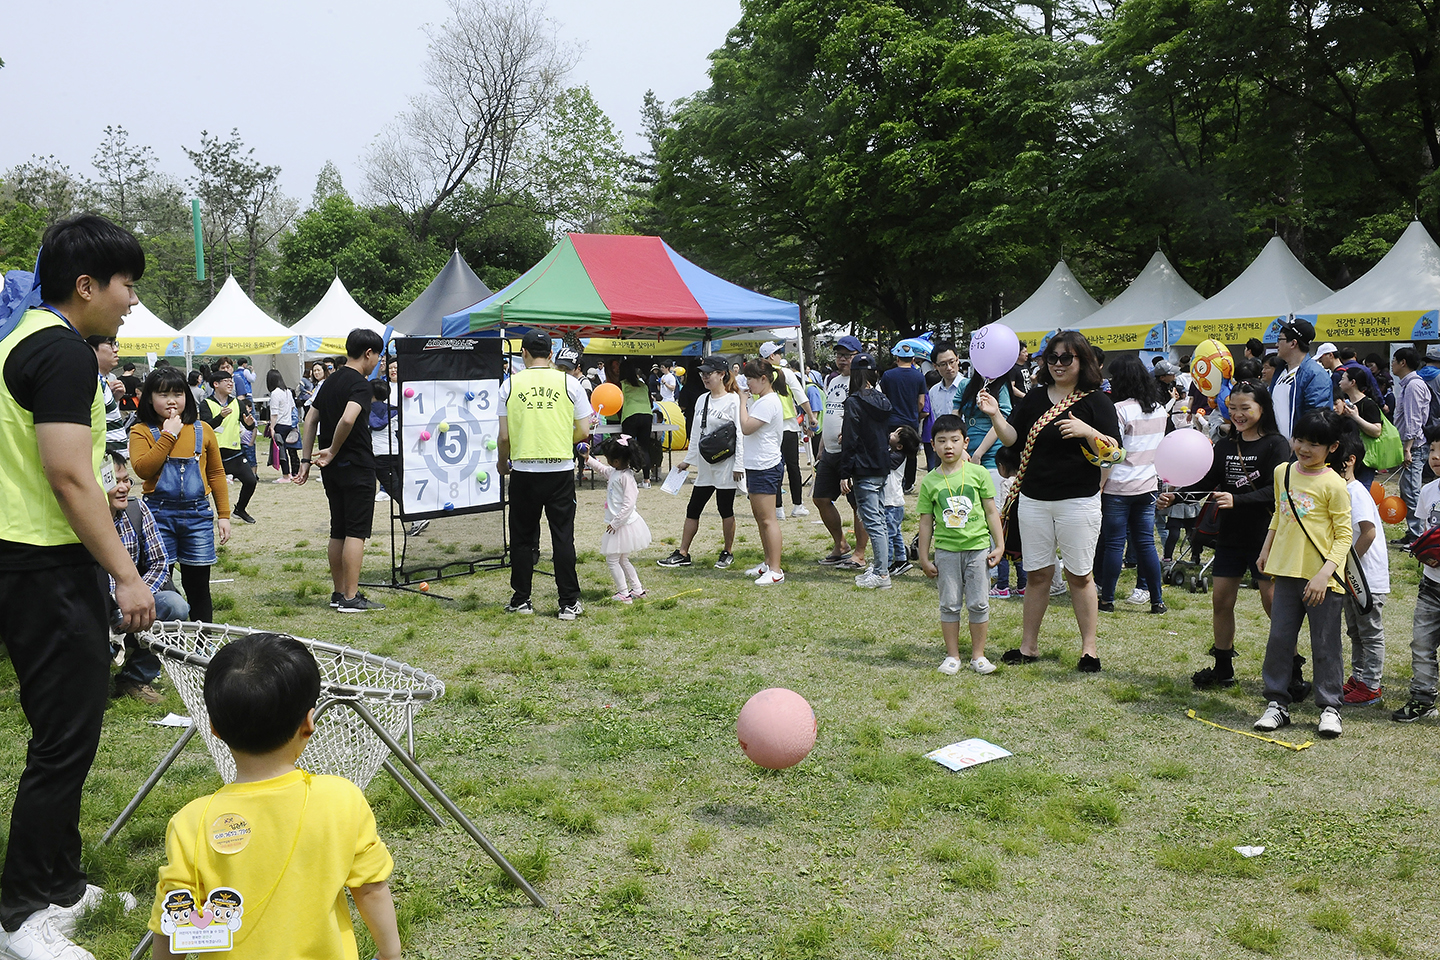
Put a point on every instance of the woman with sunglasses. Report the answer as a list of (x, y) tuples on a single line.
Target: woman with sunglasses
[(1059, 489)]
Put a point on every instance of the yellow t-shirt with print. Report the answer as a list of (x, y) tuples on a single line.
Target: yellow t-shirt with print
[(1324, 506), (290, 846)]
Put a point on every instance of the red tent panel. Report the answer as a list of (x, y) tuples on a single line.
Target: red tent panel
[(637, 281)]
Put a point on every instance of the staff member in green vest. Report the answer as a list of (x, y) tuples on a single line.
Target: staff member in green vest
[(223, 412), (56, 535), (543, 414)]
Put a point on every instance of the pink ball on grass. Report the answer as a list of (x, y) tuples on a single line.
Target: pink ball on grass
[(776, 728)]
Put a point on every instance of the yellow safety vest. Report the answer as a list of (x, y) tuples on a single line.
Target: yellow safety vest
[(540, 415), (227, 435), (31, 514)]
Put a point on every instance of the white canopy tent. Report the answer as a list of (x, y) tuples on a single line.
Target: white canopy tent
[(1058, 303), (143, 332), (1398, 299), (1274, 286), (1135, 319), (326, 326), (232, 324)]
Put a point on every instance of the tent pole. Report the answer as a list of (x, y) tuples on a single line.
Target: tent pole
[(189, 354)]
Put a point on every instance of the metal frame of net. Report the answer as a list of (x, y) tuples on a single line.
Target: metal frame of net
[(344, 744)]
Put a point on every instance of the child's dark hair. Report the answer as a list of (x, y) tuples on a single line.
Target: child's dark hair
[(1350, 445), (909, 439), (87, 245), (1432, 434), (380, 389), (1008, 457), (258, 690), (625, 452), (166, 380), (1317, 426), (947, 423)]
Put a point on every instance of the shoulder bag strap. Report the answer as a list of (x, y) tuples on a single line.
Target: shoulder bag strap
[(1045, 419), (1352, 565), (705, 415)]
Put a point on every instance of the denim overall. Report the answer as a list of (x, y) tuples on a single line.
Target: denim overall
[(182, 511)]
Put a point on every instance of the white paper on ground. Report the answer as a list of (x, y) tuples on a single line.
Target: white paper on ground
[(675, 481), (967, 753), (172, 720), (1249, 851)]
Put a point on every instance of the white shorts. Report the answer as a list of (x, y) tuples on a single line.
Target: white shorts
[(1071, 526)]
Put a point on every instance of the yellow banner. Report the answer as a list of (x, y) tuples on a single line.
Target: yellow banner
[(1117, 338), (637, 348), (240, 346), (161, 346), (1230, 332), (1400, 325)]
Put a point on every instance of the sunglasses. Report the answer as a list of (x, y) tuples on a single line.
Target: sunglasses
[(1060, 359)]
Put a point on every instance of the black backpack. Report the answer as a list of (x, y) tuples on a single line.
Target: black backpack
[(720, 445)]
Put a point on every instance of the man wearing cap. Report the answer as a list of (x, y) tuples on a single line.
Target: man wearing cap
[(794, 399), (224, 413), (1430, 372), (904, 386), (1412, 410), (1303, 385), (543, 414), (827, 468)]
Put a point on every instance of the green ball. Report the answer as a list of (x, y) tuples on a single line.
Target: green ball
[(481, 477), (444, 425), (490, 444)]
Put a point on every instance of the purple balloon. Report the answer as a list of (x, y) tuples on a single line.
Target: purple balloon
[(1183, 457), (994, 348)]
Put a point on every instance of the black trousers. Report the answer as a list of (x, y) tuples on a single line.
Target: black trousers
[(790, 456), (53, 623), (238, 466), (554, 495)]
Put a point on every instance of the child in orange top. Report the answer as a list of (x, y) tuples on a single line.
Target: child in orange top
[(177, 456)]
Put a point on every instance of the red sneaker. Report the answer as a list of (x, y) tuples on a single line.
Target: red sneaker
[(1361, 694), (1350, 684)]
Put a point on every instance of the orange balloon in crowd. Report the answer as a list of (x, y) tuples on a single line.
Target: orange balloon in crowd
[(608, 399), (1392, 510), (1377, 492)]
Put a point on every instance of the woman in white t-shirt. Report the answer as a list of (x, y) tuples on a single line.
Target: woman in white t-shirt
[(717, 408), (1127, 500), (762, 423), (284, 427)]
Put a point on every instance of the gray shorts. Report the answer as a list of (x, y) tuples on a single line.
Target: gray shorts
[(964, 576)]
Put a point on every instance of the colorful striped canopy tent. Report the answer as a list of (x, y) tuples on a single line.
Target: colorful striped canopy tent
[(602, 285)]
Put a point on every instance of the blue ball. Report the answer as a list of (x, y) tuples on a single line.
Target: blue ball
[(469, 395), (449, 506)]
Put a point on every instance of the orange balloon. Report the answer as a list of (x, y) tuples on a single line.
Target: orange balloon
[(1377, 492), (1392, 510), (608, 399)]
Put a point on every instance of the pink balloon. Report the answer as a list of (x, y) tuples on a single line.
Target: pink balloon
[(994, 348), (424, 435), (1183, 457), (776, 728)]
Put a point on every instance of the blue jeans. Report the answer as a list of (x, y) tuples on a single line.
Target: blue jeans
[(872, 515), (1132, 519), (141, 665), (1412, 477), (899, 553)]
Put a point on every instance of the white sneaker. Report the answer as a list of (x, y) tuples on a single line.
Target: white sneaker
[(799, 511), (1138, 597), (779, 513), (1276, 716), (756, 571), (982, 666), (769, 578), (382, 497), (38, 939), (1058, 587), (1329, 723), (67, 919), (949, 666), (873, 581)]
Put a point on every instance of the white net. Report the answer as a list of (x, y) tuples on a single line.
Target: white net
[(343, 744)]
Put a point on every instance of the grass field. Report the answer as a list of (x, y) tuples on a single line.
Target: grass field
[(601, 757)]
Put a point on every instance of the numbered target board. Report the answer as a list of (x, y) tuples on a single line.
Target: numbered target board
[(449, 391)]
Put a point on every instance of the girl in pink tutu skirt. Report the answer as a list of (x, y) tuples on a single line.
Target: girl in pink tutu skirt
[(625, 530)]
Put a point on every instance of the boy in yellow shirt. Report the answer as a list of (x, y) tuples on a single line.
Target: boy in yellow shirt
[(260, 867), (1309, 540)]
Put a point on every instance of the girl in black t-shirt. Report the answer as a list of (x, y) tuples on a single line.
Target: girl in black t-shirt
[(1059, 497), (1359, 404), (1241, 483)]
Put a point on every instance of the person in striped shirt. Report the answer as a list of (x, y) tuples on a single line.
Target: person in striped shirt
[(117, 433), (1128, 494)]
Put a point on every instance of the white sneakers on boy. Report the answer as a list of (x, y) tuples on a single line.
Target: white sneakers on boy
[(982, 666), (949, 666), (1329, 723), (1276, 716), (38, 939)]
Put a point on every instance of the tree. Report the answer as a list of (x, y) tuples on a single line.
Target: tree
[(328, 184), (46, 185), (21, 227), (577, 166), (241, 199), (494, 68), (127, 173)]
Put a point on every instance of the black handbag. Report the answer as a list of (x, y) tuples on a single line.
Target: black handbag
[(720, 445)]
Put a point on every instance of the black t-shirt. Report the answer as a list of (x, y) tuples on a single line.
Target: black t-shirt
[(1058, 469), (53, 374), (343, 387), (1246, 468)]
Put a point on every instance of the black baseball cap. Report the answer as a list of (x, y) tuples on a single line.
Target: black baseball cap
[(863, 361), (536, 343), (1298, 328), (711, 365), (566, 357)]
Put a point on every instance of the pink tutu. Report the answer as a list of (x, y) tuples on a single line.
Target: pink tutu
[(629, 538)]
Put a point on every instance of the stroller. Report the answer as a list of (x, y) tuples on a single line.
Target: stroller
[(1200, 522)]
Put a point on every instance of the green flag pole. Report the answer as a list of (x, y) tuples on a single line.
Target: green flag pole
[(199, 241)]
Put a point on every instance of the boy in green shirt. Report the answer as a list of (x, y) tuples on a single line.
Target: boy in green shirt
[(968, 541)]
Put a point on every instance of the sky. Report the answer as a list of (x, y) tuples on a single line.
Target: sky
[(305, 81)]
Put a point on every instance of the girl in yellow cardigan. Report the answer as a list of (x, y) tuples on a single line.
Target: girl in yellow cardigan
[(1309, 540), (177, 456)]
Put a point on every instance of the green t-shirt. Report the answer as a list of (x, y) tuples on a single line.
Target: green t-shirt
[(955, 501)]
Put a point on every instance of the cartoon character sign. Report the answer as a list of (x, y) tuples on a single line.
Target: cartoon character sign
[(226, 906), (177, 911), (210, 930), (1211, 366)]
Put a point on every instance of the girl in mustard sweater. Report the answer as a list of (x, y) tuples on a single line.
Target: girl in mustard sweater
[(177, 456)]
